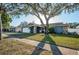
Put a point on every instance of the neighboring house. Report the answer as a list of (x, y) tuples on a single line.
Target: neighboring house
[(30, 28), (74, 30), (77, 29), (33, 28), (59, 28), (18, 29), (73, 25)]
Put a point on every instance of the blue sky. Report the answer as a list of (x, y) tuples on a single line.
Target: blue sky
[(72, 17), (64, 17)]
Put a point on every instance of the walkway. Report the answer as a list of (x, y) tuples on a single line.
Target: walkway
[(56, 49)]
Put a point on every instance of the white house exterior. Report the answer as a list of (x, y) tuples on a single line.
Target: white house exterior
[(30, 28), (59, 28), (18, 29), (71, 30), (26, 30)]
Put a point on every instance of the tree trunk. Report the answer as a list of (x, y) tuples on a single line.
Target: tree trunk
[(47, 28), (0, 28)]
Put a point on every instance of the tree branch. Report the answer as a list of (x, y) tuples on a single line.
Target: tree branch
[(44, 13), (36, 13), (57, 11)]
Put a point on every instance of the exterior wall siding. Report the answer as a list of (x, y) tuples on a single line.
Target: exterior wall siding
[(73, 30), (58, 30), (26, 30)]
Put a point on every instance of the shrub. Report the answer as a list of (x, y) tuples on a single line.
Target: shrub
[(51, 30)]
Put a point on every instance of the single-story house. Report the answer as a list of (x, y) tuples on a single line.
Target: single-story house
[(77, 29), (60, 28), (30, 28), (35, 28), (18, 29), (74, 30)]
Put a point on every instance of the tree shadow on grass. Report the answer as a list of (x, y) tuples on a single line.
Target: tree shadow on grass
[(54, 48), (47, 39), (39, 47)]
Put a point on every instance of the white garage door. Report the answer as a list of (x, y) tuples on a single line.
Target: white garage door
[(26, 30)]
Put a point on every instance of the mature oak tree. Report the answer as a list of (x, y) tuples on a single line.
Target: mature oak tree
[(48, 10)]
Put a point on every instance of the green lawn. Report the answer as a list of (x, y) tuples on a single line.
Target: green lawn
[(69, 41), (61, 40)]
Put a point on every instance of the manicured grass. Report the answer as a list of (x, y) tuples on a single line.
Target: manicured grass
[(37, 37), (66, 41), (61, 40), (14, 47)]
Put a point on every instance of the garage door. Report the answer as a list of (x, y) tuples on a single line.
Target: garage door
[(26, 30)]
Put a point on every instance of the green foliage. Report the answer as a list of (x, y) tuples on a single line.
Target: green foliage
[(51, 30), (6, 19), (72, 8), (69, 41)]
